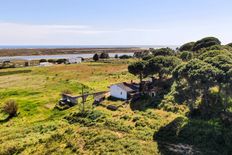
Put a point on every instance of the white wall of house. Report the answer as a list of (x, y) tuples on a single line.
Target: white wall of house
[(74, 60), (42, 64), (118, 92)]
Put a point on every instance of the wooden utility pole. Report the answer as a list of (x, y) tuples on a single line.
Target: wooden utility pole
[(83, 99)]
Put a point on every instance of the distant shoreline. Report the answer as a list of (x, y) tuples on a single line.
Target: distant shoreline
[(63, 51), (56, 50)]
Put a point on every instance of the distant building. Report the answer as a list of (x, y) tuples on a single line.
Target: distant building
[(74, 60), (123, 90), (43, 64)]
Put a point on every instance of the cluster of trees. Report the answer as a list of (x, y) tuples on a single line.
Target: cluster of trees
[(197, 68), (123, 57), (156, 62), (200, 44), (54, 61), (102, 55)]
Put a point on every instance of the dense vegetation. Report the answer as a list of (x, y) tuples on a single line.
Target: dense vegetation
[(200, 91), (38, 128), (190, 114)]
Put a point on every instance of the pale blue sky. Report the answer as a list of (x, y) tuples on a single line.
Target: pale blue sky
[(113, 22)]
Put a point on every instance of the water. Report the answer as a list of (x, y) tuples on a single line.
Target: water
[(67, 56), (64, 56)]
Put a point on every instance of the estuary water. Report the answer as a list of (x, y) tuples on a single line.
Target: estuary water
[(63, 56)]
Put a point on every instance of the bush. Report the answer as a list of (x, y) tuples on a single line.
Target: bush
[(95, 57), (104, 55), (11, 108), (66, 91), (116, 56), (61, 61), (88, 118), (51, 61), (125, 57), (43, 60), (186, 56), (230, 44)]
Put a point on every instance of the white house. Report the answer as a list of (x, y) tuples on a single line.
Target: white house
[(122, 90), (74, 60)]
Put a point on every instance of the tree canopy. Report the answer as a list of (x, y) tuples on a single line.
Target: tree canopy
[(95, 57), (161, 65), (186, 56), (137, 69), (202, 79), (213, 53), (187, 47), (206, 42), (230, 44), (163, 52), (104, 55)]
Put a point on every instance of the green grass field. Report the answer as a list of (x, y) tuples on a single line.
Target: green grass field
[(39, 129)]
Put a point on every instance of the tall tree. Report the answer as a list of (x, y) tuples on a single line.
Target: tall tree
[(224, 63), (200, 76), (95, 57), (161, 65), (104, 55), (137, 69)]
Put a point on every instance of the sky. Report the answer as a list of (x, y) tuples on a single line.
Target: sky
[(113, 22)]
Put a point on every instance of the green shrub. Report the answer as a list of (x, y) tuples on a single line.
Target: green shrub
[(11, 108), (125, 57), (88, 118), (61, 61), (66, 91), (230, 44), (104, 55), (186, 56), (42, 60), (117, 125)]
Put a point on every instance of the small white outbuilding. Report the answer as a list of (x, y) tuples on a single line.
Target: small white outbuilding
[(74, 60), (122, 90), (44, 64)]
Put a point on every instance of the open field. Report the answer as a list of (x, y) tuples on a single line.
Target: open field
[(39, 129), (58, 51)]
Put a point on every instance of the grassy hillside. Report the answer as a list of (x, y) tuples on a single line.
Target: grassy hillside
[(39, 129)]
